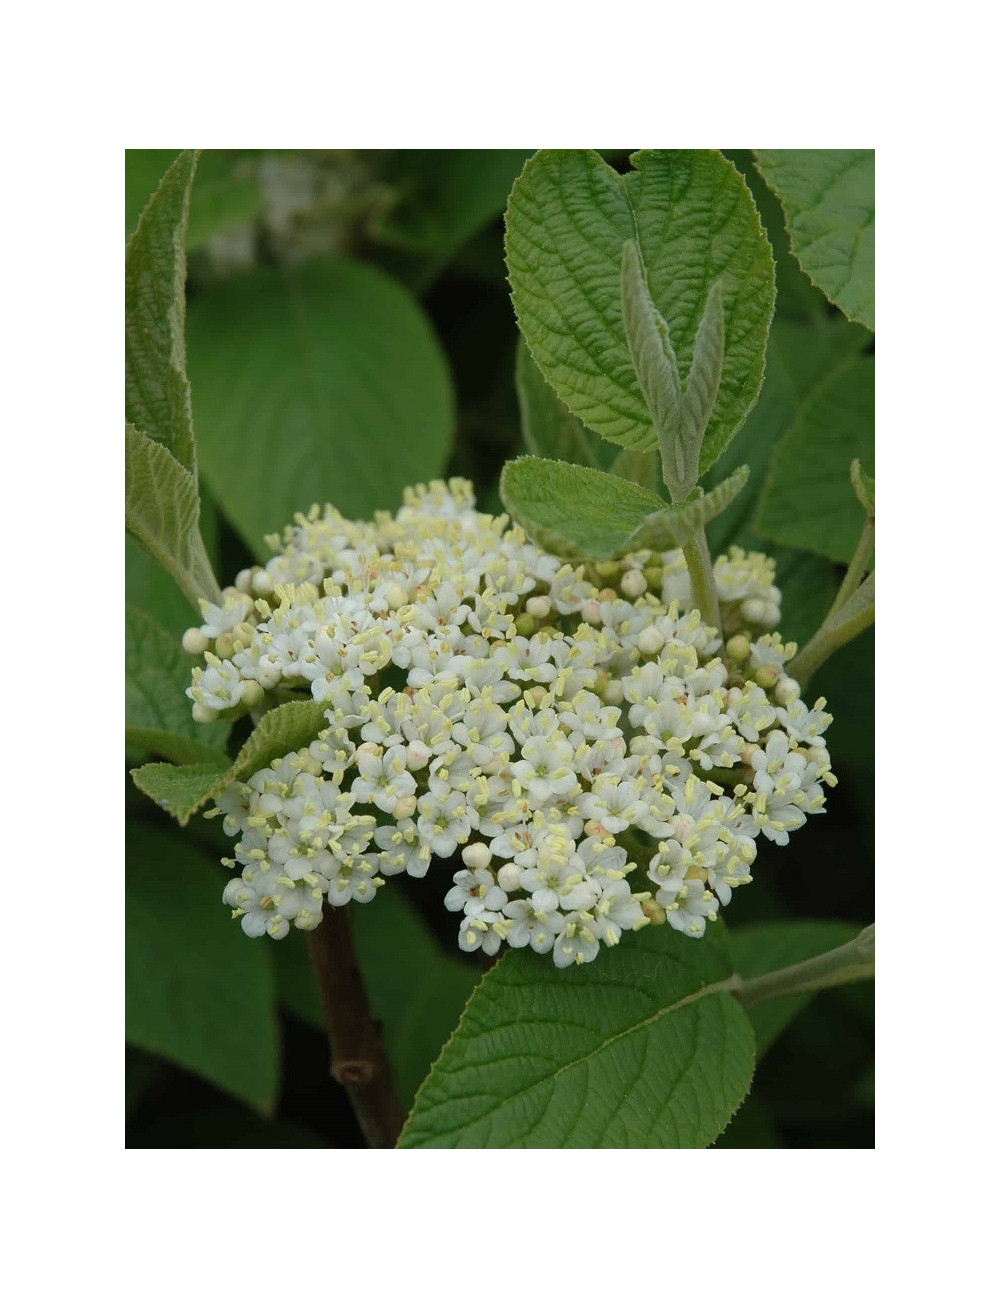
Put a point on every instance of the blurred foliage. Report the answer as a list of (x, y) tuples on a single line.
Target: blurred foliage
[(225, 1048)]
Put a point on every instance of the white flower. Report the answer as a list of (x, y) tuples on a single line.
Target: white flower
[(577, 941), (474, 892)]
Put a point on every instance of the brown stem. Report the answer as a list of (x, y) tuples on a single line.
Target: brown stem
[(357, 1058)]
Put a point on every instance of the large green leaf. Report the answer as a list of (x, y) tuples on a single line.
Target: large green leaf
[(157, 673), (829, 200), (808, 500), (695, 223), (196, 991), (162, 510), (547, 427), (800, 356), (324, 383), (157, 394), (416, 989), (760, 949), (181, 791), (640, 1048)]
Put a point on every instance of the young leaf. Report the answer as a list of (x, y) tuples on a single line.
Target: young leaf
[(642, 467), (705, 374), (760, 949), (675, 525), (641, 1048), (157, 395), (695, 223), (157, 673), (183, 790), (829, 200), (807, 500), (863, 485), (572, 510), (325, 383), (161, 512), (197, 991), (547, 427)]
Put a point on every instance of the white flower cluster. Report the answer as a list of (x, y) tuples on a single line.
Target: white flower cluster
[(565, 727)]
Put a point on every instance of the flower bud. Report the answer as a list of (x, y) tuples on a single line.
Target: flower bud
[(370, 747), (655, 913), (787, 691), (418, 755), (509, 877), (738, 648), (396, 595), (194, 641), (477, 856), (538, 606), (591, 612), (202, 713), (525, 625), (225, 645), (404, 807), (252, 695), (767, 676), (613, 693), (606, 569), (262, 583), (650, 641), (243, 582), (754, 611), (633, 584)]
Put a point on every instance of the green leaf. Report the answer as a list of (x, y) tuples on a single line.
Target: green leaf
[(572, 510), (183, 790), (178, 749), (547, 427), (694, 220), (180, 791), (197, 991), (863, 485), (157, 673), (448, 195), (760, 949), (161, 512), (829, 200), (642, 467), (324, 383), (807, 500), (640, 1048), (799, 357), (157, 394), (225, 191)]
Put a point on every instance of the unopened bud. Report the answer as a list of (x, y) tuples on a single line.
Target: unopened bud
[(524, 625), (194, 641), (253, 694), (202, 713), (243, 582), (417, 756), (477, 856), (509, 877), (590, 612), (396, 596), (538, 606), (607, 594), (767, 676), (263, 583), (787, 691), (654, 912), (225, 645), (754, 611), (654, 576), (738, 648), (633, 584), (606, 569), (369, 747), (613, 693), (650, 641), (404, 807)]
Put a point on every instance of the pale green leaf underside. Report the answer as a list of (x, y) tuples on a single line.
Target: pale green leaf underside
[(808, 500), (578, 512), (157, 673), (197, 991), (636, 1049), (157, 395), (573, 510), (695, 222), (183, 790), (829, 200), (313, 385), (161, 512), (760, 949)]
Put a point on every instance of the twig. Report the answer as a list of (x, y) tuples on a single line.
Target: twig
[(357, 1057)]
